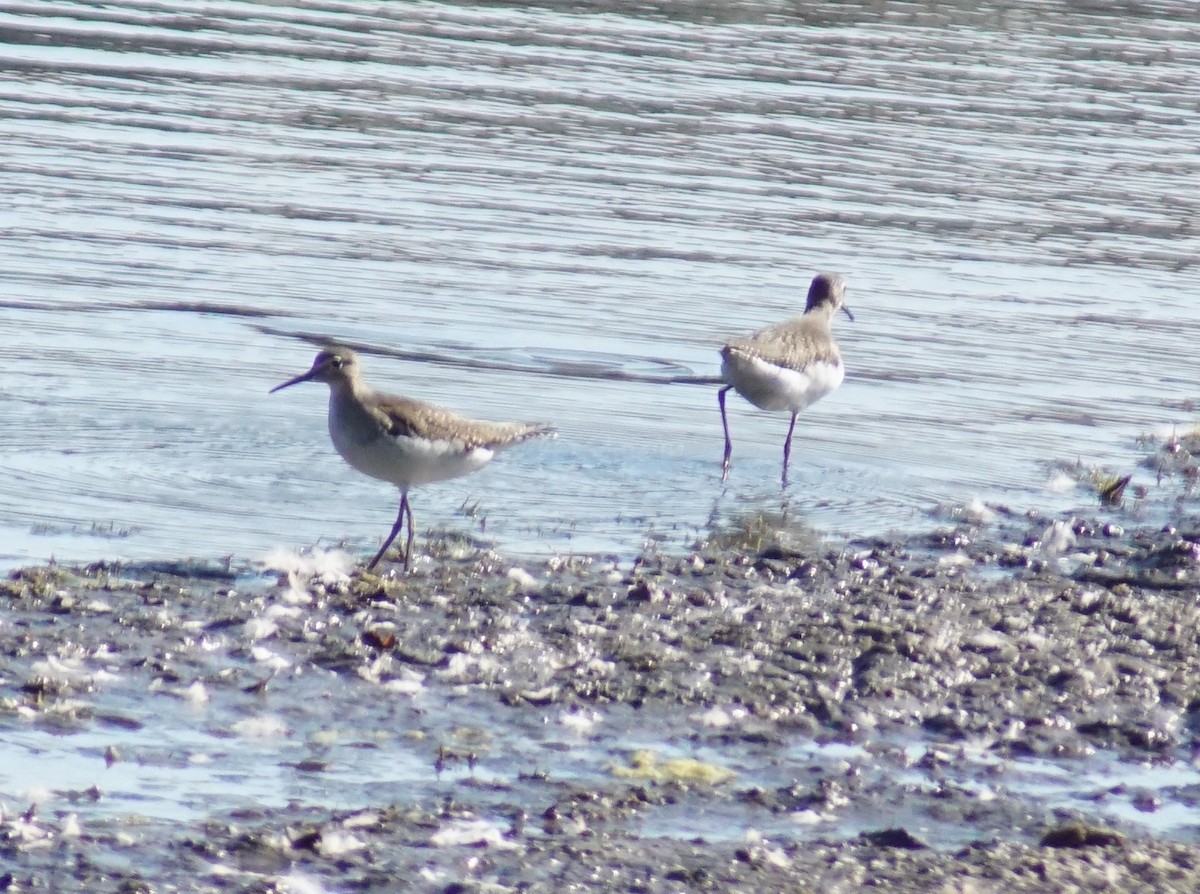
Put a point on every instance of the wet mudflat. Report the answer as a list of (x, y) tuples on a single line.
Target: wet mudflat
[(1009, 701)]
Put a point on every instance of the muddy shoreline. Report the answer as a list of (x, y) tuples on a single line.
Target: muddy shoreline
[(766, 712)]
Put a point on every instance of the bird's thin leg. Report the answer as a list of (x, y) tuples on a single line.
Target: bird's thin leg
[(725, 425), (787, 448), (396, 528), (405, 507)]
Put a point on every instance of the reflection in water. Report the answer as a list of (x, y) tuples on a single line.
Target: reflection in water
[(548, 213)]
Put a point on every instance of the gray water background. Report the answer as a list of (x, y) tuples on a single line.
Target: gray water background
[(550, 211)]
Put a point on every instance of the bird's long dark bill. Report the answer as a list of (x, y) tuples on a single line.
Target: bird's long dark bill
[(846, 309), (303, 377)]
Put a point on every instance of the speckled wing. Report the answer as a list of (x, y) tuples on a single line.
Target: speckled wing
[(792, 345), (405, 417)]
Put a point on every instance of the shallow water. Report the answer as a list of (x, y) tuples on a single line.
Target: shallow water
[(545, 213), (181, 760)]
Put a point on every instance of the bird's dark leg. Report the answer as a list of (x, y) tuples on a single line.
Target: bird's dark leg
[(787, 448), (405, 507), (396, 529), (725, 425)]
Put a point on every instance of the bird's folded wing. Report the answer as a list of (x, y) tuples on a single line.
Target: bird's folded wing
[(405, 417), (790, 346)]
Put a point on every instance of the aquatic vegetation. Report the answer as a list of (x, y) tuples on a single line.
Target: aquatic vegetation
[(1111, 488), (645, 764), (1108, 486)]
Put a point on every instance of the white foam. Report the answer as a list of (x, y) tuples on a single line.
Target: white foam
[(720, 718), (260, 627), (977, 512), (326, 565), (335, 842), (470, 832), (196, 694), (773, 855), (264, 727), (988, 639), (278, 611), (1061, 483), (955, 560), (410, 683), (273, 660), (296, 883), (1058, 537), (526, 582), (581, 722), (366, 819)]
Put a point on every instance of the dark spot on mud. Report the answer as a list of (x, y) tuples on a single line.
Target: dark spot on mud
[(1079, 835), (897, 838)]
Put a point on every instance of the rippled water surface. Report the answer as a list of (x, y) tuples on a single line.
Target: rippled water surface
[(556, 212)]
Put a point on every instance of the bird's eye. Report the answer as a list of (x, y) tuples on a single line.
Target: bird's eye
[(338, 363)]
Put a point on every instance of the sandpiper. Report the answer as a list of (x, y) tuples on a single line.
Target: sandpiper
[(403, 441), (789, 365)]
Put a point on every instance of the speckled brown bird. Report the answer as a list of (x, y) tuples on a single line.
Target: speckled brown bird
[(790, 365), (403, 441)]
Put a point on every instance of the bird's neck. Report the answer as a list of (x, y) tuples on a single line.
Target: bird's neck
[(346, 394)]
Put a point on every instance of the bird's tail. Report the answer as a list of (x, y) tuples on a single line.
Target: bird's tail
[(505, 434), (538, 430)]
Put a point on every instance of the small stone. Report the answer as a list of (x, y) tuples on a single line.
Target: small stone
[(897, 838), (1078, 835)]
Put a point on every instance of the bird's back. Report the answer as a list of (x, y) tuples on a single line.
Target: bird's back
[(793, 344)]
